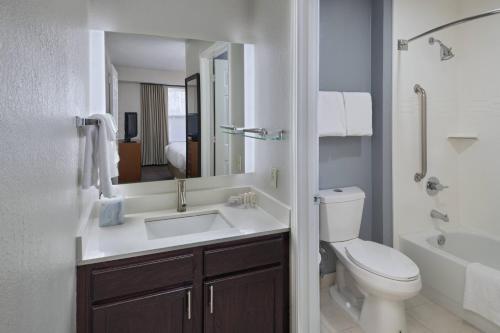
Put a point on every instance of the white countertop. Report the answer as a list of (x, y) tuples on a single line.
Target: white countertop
[(98, 244)]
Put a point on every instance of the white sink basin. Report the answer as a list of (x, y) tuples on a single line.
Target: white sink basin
[(174, 226)]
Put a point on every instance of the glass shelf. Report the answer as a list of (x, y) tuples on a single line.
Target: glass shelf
[(278, 135)]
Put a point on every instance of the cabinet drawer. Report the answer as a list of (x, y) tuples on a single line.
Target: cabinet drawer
[(243, 257), (119, 281), (166, 311)]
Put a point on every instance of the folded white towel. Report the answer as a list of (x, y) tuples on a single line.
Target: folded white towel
[(358, 108), (482, 291), (331, 114), (101, 155), (89, 177)]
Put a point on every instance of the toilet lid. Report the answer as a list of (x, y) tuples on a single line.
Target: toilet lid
[(382, 260)]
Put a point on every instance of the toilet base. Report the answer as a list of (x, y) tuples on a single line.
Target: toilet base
[(376, 315), (379, 315)]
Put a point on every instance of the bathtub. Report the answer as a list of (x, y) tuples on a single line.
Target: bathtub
[(442, 267)]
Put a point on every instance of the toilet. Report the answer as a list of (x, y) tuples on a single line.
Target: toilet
[(372, 280)]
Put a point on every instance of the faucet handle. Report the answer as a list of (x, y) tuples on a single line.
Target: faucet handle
[(441, 187), (434, 186)]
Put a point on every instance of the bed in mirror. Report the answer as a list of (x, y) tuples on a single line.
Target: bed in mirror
[(169, 98)]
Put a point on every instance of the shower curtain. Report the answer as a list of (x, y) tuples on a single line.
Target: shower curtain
[(154, 126)]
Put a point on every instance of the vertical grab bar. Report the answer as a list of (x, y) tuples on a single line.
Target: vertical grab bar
[(423, 127)]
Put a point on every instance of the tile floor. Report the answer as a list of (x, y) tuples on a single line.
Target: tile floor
[(423, 316)]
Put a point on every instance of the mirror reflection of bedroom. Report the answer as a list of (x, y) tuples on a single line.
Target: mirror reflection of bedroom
[(169, 98)]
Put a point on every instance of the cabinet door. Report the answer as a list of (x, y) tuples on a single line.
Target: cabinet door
[(245, 303), (165, 312)]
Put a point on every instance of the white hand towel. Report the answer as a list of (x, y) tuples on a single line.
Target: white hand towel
[(105, 153), (89, 177), (111, 212), (358, 108), (331, 114), (482, 291)]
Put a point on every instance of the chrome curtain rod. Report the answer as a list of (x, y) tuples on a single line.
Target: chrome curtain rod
[(403, 43)]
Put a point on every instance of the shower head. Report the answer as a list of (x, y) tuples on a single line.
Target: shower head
[(446, 53)]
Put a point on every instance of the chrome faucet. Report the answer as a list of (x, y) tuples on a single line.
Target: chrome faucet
[(434, 186), (438, 215), (181, 195)]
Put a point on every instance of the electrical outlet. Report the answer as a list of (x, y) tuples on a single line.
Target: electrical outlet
[(274, 177)]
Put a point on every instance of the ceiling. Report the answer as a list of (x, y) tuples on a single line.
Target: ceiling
[(148, 52)]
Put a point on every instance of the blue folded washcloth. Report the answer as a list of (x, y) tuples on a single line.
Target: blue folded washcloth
[(111, 212)]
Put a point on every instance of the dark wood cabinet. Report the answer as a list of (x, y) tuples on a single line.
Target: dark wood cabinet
[(129, 167), (164, 312), (245, 303), (232, 287), (193, 161)]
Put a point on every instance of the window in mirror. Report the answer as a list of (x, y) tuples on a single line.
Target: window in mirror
[(176, 114)]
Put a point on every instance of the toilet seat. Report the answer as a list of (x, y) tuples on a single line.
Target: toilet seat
[(382, 260)]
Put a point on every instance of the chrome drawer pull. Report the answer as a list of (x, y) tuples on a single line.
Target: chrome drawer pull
[(211, 299), (189, 304)]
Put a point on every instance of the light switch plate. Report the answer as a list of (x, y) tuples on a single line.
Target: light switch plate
[(274, 177)]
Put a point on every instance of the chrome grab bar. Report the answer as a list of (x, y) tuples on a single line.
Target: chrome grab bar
[(423, 127)]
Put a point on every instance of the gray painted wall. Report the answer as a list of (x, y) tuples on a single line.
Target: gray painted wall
[(355, 55), (345, 65), (382, 122)]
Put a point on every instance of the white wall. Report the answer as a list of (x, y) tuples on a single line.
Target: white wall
[(44, 68), (273, 92), (463, 99), (227, 20), (249, 73), (422, 65), (193, 50), (129, 100), (479, 113), (132, 74), (237, 105), (98, 67)]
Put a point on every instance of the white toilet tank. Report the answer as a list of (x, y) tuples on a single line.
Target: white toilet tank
[(340, 213)]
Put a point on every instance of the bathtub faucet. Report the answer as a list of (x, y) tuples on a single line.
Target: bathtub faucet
[(438, 215)]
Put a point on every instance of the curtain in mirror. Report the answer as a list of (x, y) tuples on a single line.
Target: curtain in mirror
[(154, 124)]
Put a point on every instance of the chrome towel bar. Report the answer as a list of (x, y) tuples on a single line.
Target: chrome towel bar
[(81, 122), (423, 131)]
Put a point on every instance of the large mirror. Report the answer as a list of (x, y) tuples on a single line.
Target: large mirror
[(171, 99)]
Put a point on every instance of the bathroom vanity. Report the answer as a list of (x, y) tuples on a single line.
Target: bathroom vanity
[(214, 268), (239, 286)]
